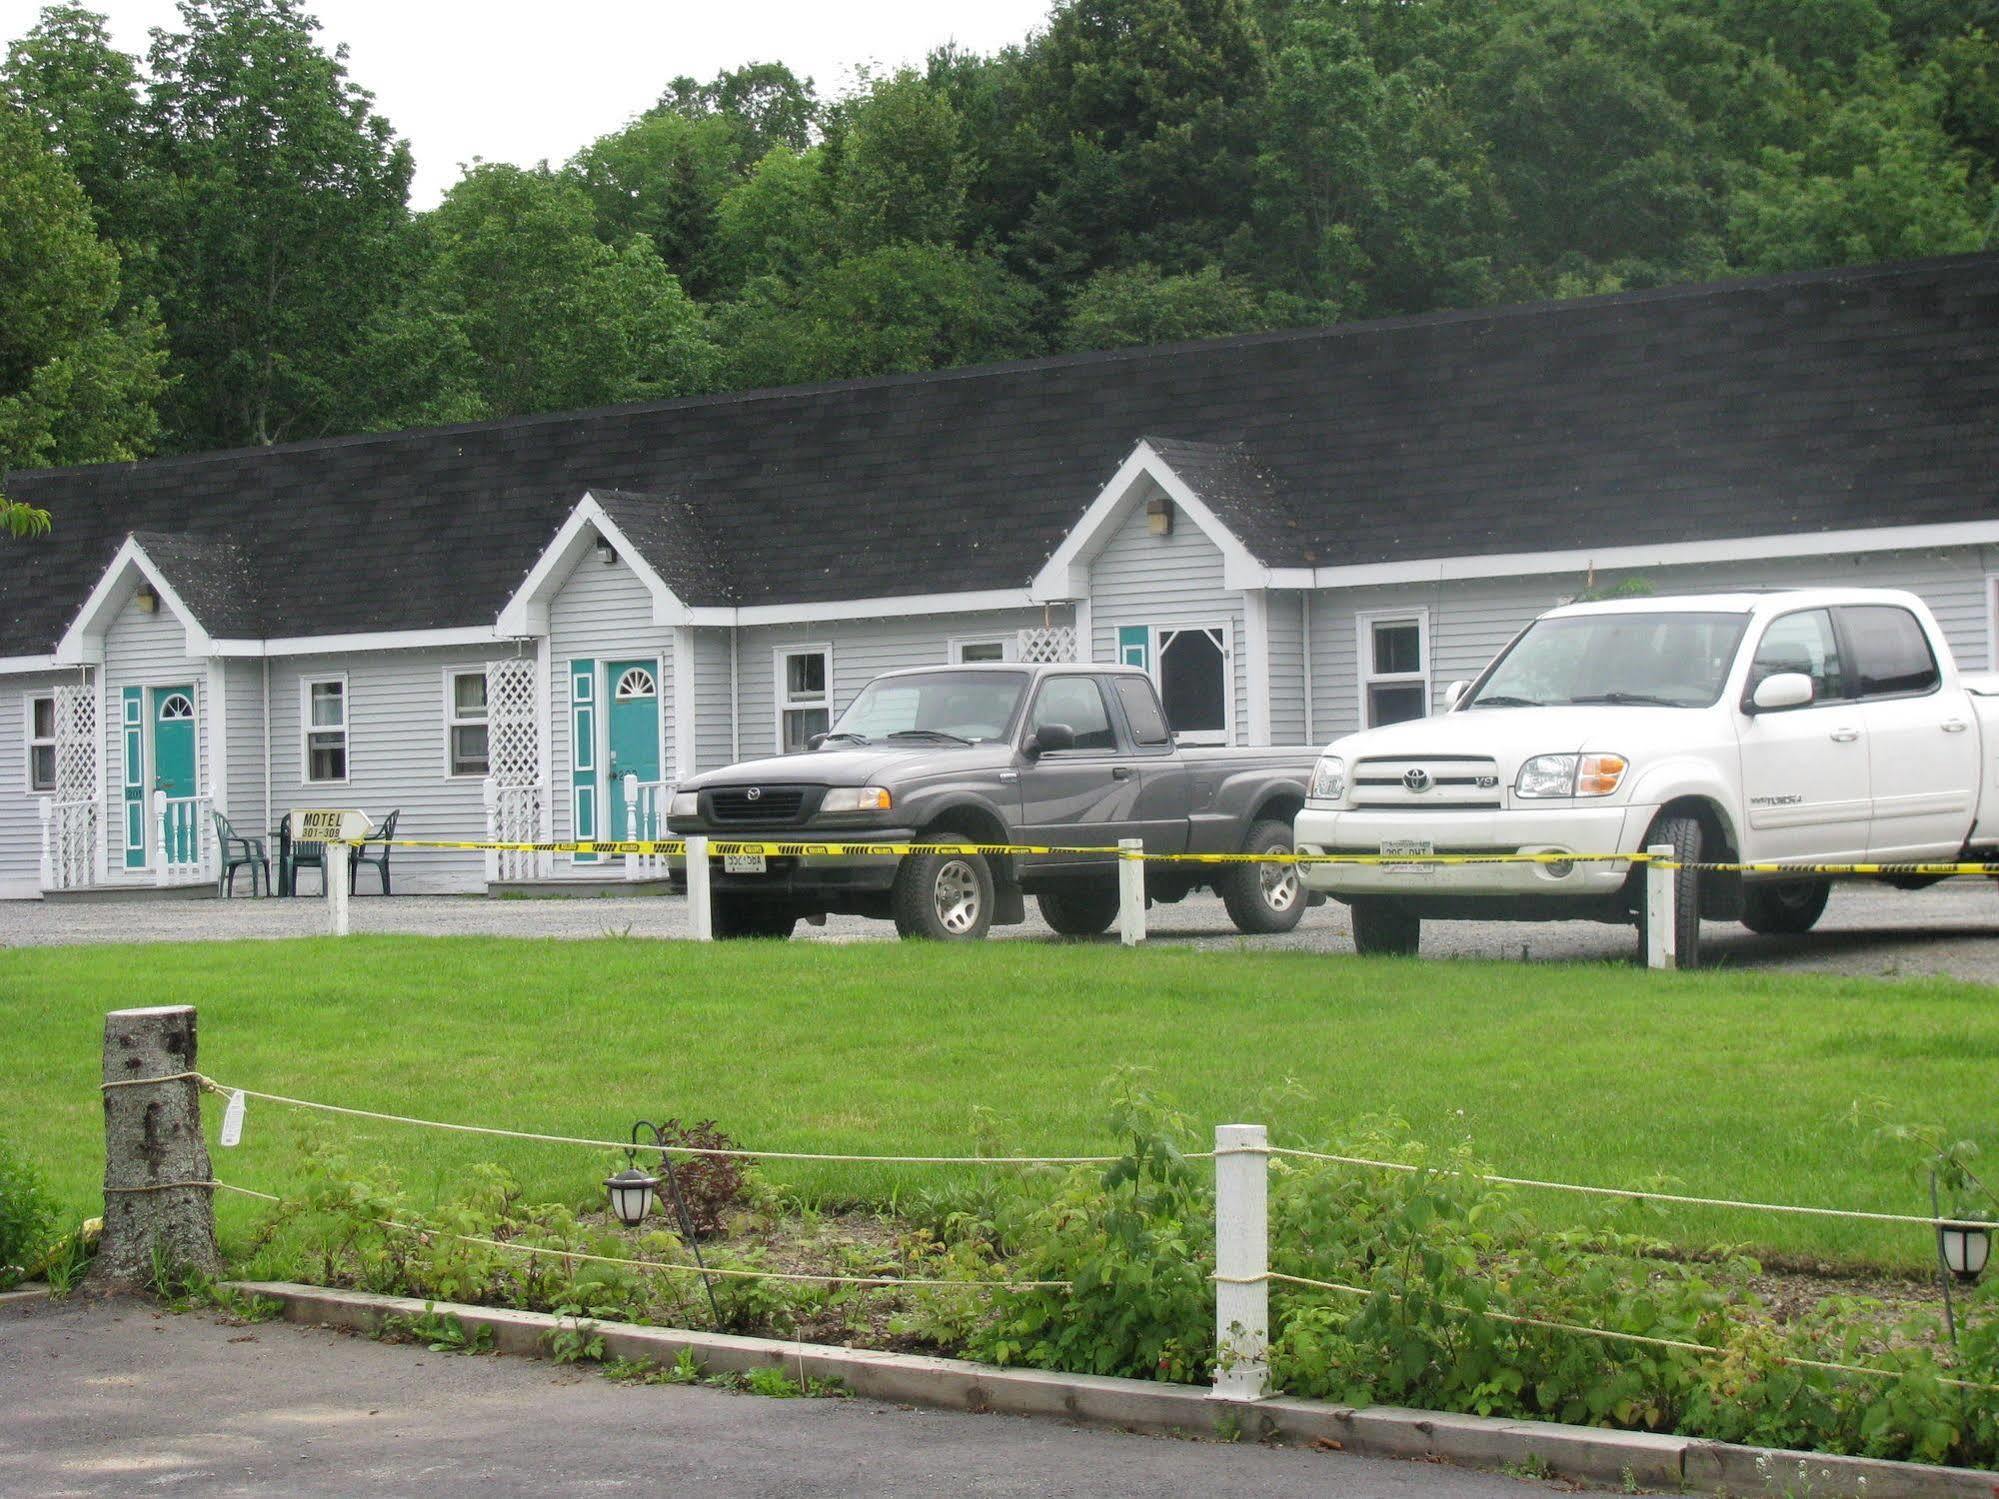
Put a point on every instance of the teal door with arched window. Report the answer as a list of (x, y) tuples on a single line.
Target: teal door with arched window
[(175, 762), (632, 721)]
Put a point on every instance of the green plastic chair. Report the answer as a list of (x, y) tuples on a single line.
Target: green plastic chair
[(238, 851), (294, 856)]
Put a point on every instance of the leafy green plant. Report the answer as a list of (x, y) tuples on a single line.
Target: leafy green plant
[(774, 1383), (440, 1332), (27, 1218), (578, 1342)]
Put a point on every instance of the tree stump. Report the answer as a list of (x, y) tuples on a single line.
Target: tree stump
[(153, 1152)]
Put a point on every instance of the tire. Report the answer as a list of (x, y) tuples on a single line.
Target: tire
[(1381, 928), (1684, 834), (943, 897), (1786, 907), (1264, 898), (732, 916), (1084, 910)]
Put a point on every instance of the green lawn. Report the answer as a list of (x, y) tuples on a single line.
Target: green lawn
[(1735, 1085)]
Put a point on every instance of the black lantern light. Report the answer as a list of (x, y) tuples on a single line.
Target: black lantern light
[(1964, 1248), (631, 1195)]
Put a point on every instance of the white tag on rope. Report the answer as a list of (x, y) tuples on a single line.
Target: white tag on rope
[(232, 1121)]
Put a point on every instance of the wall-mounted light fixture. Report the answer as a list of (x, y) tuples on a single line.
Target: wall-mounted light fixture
[(606, 553), (146, 599), (1159, 515)]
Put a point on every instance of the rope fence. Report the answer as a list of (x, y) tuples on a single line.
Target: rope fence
[(1242, 1275)]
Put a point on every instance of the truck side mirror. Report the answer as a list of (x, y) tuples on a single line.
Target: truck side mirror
[(1784, 689), (1454, 692), (1050, 736)]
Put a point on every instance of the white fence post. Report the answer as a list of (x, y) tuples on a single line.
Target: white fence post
[(631, 785), (1662, 894), (45, 805), (1131, 891), (1242, 1262), (489, 793), (698, 911), (337, 855), (159, 806)]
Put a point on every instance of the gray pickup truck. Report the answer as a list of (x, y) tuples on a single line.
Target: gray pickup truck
[(1069, 755)]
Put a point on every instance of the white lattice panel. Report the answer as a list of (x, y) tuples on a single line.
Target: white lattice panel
[(76, 743), (1055, 643), (513, 749)]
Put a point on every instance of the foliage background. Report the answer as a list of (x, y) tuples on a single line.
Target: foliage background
[(211, 245)]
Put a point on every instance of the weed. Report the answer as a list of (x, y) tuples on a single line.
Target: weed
[(1228, 1427), (1533, 1465), (774, 1383), (578, 1342), (440, 1332)]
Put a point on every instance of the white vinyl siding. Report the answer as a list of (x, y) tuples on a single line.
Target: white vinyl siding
[(243, 745), (1287, 668), (714, 743), (392, 725), (144, 650), (20, 809), (1176, 580), (1470, 621), (862, 650)]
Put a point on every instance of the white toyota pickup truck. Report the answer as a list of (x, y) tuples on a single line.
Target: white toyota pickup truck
[(1824, 725)]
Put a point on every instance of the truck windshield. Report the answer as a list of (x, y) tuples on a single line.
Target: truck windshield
[(967, 705), (1667, 660)]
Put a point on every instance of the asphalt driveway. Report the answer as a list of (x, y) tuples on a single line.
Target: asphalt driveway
[(117, 1398)]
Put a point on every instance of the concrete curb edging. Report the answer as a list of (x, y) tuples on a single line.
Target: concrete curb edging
[(1579, 1453)]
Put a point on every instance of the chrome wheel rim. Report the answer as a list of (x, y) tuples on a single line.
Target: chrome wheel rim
[(1279, 884), (955, 896)]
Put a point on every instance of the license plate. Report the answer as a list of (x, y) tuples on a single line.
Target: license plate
[(744, 864), (1407, 848)]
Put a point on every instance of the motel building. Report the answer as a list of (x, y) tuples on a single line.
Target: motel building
[(531, 629)]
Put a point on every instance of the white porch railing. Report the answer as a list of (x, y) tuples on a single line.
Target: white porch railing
[(69, 843), (645, 817), (183, 839), (513, 815)]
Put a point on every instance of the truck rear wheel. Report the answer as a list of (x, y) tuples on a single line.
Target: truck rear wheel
[(1264, 898), (1381, 928), (731, 916), (1684, 833), (1785, 907), (943, 897), (1083, 910)]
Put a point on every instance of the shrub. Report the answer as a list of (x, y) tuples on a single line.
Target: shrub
[(27, 1218), (710, 1184)]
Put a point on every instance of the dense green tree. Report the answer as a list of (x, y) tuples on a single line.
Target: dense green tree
[(1117, 307), (523, 309), (78, 376), (765, 103), (279, 205), (894, 310), (84, 95), (776, 222), (897, 165), (663, 176)]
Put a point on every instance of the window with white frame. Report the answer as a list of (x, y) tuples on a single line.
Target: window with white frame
[(1195, 670), (1394, 667), (41, 743), (465, 746), (982, 648), (325, 710), (804, 695)]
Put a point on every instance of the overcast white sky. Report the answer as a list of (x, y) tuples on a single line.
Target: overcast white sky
[(512, 81)]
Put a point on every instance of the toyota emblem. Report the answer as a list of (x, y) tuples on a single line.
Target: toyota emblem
[(755, 793), (1416, 780)]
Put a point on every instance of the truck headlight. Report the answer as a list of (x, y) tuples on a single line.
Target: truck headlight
[(685, 804), (1570, 775), (1329, 779), (857, 799)]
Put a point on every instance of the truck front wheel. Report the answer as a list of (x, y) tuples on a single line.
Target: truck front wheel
[(1381, 928), (1785, 907), (943, 897), (1264, 898), (1684, 834), (1085, 910)]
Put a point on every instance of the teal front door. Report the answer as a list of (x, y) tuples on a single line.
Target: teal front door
[(634, 736), (174, 773)]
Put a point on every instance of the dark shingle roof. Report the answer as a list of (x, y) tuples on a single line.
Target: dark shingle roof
[(213, 578), (676, 543), (1819, 401)]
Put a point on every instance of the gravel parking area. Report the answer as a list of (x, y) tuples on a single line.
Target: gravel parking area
[(1950, 929)]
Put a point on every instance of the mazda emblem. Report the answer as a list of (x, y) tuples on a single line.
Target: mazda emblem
[(755, 793), (1417, 781)]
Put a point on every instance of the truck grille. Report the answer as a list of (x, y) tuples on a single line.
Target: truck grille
[(1423, 783), (772, 806)]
